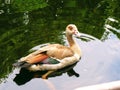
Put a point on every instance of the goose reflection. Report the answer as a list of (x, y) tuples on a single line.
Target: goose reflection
[(25, 75)]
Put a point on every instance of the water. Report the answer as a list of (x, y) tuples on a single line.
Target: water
[(21, 31)]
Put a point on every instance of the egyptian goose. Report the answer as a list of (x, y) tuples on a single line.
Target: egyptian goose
[(66, 55)]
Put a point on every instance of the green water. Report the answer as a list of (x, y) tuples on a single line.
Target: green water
[(26, 24)]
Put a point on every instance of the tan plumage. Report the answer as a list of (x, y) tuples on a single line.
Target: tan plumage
[(58, 51), (66, 55)]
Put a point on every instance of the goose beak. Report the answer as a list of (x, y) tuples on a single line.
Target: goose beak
[(78, 35)]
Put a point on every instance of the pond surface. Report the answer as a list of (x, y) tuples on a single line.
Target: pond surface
[(21, 31)]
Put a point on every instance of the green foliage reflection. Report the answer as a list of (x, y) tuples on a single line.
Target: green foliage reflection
[(28, 5)]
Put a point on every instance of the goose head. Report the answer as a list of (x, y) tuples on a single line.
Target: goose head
[(71, 29)]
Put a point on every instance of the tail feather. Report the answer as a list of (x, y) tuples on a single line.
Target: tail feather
[(21, 64), (31, 60)]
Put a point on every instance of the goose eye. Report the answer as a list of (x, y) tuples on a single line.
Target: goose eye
[(70, 27)]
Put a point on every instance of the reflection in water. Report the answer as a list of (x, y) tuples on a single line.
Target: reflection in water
[(109, 29), (25, 75), (87, 37)]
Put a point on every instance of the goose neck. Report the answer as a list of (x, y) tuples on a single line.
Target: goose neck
[(70, 40), (73, 45)]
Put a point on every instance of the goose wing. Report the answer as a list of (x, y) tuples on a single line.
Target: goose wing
[(56, 51)]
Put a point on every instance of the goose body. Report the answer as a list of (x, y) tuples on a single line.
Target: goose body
[(66, 55)]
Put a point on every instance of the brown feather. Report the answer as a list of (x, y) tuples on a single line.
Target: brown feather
[(37, 58), (59, 51), (52, 50)]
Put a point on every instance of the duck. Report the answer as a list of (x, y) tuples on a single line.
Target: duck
[(64, 55)]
